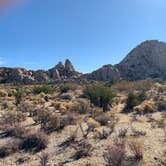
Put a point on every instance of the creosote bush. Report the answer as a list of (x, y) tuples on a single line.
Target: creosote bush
[(9, 147), (103, 119), (99, 95), (83, 149), (34, 141), (114, 154), (47, 89), (132, 101), (136, 149), (51, 121), (11, 118), (68, 86), (82, 106)]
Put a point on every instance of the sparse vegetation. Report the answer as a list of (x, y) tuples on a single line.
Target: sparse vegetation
[(114, 154), (136, 149), (72, 127), (47, 89)]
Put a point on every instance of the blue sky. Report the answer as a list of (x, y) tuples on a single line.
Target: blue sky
[(39, 33)]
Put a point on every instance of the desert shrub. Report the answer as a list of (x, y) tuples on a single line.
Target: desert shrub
[(102, 119), (122, 132), (137, 133), (142, 96), (11, 118), (114, 154), (136, 149), (128, 86), (51, 121), (34, 141), (92, 124), (3, 93), (132, 101), (66, 87), (25, 107), (103, 134), (18, 94), (145, 107), (44, 157), (83, 149), (47, 89), (16, 130), (161, 104), (82, 106), (9, 147), (99, 95)]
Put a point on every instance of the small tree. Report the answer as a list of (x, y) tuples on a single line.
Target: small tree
[(132, 101), (99, 95)]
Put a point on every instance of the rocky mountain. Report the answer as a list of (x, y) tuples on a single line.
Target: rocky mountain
[(20, 75), (147, 60)]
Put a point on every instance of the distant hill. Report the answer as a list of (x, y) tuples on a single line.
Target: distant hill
[(147, 60)]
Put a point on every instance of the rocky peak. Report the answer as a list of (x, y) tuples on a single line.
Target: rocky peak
[(69, 66), (147, 60)]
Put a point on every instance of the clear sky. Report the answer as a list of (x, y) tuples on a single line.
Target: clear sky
[(39, 33)]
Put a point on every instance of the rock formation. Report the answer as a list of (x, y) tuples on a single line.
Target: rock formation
[(148, 60)]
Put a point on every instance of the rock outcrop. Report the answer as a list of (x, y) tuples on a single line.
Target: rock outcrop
[(20, 75), (106, 73), (148, 60)]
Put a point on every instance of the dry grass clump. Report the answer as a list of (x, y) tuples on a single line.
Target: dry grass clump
[(44, 158), (10, 147), (64, 88), (82, 106), (103, 119), (83, 149), (34, 141), (103, 134), (92, 124), (136, 149), (137, 133), (16, 130), (10, 118), (3, 93), (145, 108), (122, 132), (128, 86), (51, 121), (114, 154)]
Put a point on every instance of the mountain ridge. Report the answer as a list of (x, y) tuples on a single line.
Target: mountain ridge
[(147, 60)]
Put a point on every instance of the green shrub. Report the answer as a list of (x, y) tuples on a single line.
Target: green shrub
[(47, 89), (66, 87), (132, 101), (99, 95)]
